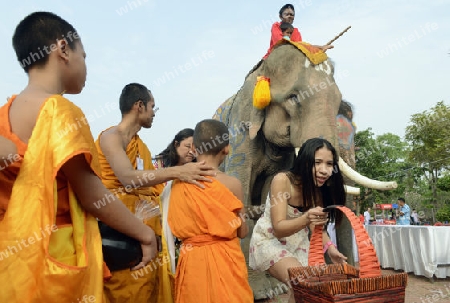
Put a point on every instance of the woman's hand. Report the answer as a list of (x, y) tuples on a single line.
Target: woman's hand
[(335, 256), (317, 216)]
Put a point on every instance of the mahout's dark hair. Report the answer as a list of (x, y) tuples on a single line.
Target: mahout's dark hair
[(285, 7)]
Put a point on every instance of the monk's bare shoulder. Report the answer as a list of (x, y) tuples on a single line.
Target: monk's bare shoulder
[(111, 139), (232, 183)]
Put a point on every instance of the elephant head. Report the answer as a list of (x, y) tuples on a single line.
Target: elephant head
[(304, 104)]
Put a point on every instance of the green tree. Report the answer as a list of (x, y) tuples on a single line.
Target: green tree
[(384, 158), (443, 183), (429, 136)]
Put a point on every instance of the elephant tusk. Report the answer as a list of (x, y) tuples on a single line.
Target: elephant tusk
[(355, 191), (364, 181)]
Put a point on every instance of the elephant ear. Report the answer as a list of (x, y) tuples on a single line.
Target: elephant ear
[(257, 119)]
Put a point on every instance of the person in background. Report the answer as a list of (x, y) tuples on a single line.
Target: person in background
[(415, 217), (405, 212), (180, 151), (367, 216)]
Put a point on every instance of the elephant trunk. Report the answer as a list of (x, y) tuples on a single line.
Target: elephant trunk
[(364, 181)]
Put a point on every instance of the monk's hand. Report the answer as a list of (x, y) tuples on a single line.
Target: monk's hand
[(317, 216), (335, 256), (194, 172), (149, 249)]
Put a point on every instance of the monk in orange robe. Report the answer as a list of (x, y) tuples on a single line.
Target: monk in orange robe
[(50, 247), (128, 172), (211, 266)]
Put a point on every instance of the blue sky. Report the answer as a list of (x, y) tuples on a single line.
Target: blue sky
[(392, 63)]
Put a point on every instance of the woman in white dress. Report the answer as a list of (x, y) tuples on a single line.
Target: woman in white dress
[(280, 238)]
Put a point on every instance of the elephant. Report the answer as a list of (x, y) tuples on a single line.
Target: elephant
[(305, 101)]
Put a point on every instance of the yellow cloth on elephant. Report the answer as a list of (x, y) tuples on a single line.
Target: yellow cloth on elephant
[(123, 286), (314, 54), (42, 262)]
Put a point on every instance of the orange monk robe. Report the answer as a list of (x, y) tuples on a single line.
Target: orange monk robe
[(211, 267), (42, 262), (148, 286)]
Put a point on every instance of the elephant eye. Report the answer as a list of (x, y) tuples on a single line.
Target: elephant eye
[(293, 99)]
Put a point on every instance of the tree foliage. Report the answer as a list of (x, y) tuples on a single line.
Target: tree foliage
[(383, 158), (443, 183), (429, 137)]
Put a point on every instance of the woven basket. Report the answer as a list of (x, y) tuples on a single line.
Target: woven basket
[(322, 283)]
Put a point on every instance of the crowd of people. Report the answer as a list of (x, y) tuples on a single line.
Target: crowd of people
[(400, 216), (57, 181)]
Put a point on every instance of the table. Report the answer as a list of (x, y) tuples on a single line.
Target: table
[(424, 250)]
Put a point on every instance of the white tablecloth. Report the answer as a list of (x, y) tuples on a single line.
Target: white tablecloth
[(424, 250)]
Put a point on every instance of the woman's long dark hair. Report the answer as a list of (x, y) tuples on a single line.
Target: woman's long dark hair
[(333, 192), (169, 156)]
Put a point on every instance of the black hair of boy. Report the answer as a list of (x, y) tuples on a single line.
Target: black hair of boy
[(285, 26), (36, 36), (210, 137)]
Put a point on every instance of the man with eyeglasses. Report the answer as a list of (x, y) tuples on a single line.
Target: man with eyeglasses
[(128, 172)]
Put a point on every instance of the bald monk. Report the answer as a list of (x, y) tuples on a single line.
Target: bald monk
[(50, 245), (128, 172), (211, 267)]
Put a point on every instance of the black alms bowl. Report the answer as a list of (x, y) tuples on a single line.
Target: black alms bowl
[(119, 250)]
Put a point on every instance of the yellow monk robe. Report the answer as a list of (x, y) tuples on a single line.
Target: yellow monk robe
[(211, 267), (42, 262), (152, 285)]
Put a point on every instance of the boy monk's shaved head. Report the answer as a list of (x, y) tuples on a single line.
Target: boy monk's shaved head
[(36, 35), (210, 137)]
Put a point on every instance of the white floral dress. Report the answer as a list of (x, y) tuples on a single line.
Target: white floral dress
[(266, 249)]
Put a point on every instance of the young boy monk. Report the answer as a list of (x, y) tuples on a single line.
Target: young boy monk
[(128, 171), (211, 267), (50, 247)]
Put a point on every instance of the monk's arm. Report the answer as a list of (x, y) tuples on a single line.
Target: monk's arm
[(235, 186), (89, 189), (111, 146)]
